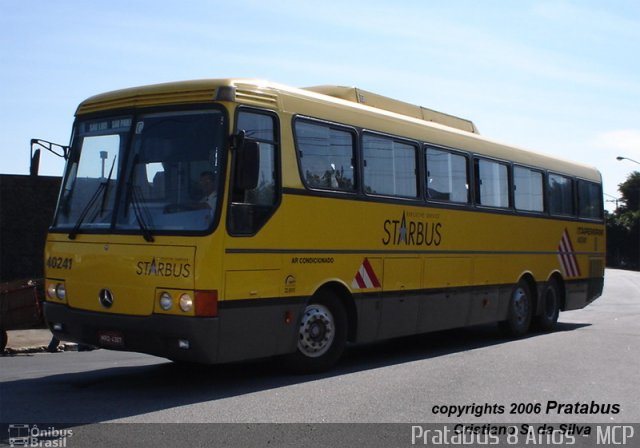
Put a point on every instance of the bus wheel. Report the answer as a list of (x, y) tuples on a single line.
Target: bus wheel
[(550, 307), (520, 311), (322, 335)]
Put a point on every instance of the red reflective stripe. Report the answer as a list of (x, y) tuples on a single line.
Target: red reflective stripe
[(567, 256), (360, 281), (371, 273)]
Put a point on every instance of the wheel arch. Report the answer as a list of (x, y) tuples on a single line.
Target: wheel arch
[(341, 291)]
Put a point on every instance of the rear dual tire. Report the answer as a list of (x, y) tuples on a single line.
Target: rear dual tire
[(550, 304), (520, 314), (520, 311)]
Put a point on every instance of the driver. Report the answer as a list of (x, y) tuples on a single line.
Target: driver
[(208, 186)]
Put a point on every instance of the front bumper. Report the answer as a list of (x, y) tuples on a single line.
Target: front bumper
[(157, 335)]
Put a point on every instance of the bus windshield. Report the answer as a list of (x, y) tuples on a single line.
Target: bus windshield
[(152, 173)]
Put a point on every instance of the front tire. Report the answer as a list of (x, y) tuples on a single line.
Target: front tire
[(520, 311), (322, 335)]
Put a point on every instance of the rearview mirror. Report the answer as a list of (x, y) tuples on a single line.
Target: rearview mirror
[(54, 148), (247, 164)]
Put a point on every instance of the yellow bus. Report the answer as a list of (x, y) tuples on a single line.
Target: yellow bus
[(223, 220)]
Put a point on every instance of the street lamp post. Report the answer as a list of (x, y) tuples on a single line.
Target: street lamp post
[(627, 158)]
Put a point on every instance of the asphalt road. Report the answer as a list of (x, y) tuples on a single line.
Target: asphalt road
[(592, 358)]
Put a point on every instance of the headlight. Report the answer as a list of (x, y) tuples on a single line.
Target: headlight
[(186, 302), (56, 291), (166, 301), (61, 291), (51, 290)]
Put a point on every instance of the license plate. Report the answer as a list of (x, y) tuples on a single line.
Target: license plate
[(110, 339)]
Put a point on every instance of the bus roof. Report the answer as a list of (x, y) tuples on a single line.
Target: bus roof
[(392, 105), (443, 129)]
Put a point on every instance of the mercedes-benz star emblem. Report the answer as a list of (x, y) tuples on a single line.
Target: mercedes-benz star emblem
[(106, 298)]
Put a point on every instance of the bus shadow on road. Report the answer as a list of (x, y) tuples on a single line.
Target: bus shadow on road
[(123, 392), (434, 345)]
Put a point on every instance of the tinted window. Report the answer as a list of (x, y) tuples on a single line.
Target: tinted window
[(446, 176), (326, 156), (589, 200), (528, 189), (389, 167), (251, 208), (560, 195), (492, 183)]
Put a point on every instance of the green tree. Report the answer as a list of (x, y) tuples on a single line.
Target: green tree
[(630, 191), (623, 226)]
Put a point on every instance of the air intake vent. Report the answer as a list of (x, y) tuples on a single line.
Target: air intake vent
[(254, 95)]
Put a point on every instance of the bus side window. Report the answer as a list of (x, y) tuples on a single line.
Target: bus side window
[(326, 155), (250, 209), (492, 183), (390, 166), (528, 189), (589, 200), (447, 176), (561, 195)]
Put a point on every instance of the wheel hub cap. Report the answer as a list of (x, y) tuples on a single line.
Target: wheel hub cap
[(316, 332), (520, 305)]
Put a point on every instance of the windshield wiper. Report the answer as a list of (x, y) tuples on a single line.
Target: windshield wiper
[(135, 198), (139, 210), (102, 188)]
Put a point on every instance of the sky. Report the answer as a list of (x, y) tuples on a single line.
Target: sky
[(560, 77)]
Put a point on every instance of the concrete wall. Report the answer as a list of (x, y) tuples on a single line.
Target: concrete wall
[(26, 212)]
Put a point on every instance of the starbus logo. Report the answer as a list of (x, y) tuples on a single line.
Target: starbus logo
[(416, 229), (164, 267)]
